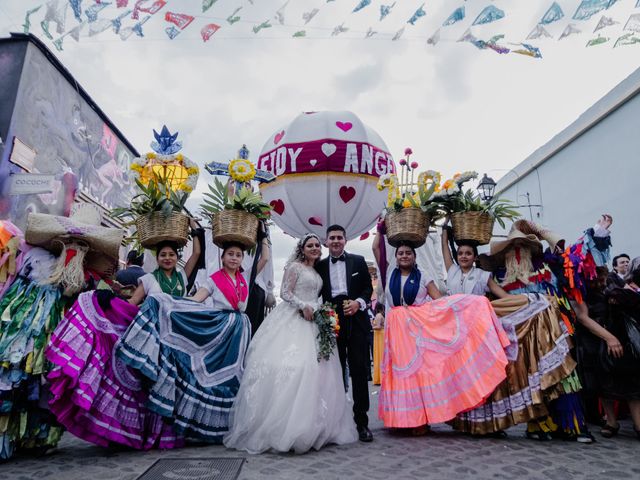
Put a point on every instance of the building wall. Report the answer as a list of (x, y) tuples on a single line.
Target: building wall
[(53, 118), (11, 58), (598, 172)]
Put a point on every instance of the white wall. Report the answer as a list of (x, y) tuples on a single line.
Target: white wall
[(598, 172)]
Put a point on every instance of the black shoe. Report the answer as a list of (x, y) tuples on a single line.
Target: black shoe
[(364, 434)]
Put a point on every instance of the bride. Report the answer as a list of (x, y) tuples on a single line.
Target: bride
[(288, 399)]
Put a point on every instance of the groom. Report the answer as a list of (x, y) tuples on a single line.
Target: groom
[(347, 284)]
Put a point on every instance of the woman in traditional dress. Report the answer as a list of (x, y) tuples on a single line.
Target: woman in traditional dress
[(167, 278), (193, 358), (289, 398), (465, 277), (442, 355)]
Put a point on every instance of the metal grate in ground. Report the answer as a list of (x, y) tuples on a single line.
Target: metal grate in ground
[(194, 469)]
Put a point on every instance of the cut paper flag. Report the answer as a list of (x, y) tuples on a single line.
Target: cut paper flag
[(99, 26), (491, 44), (456, 16), (172, 32), (122, 3), (633, 23), (528, 50), (488, 15), (398, 34), (76, 8), (279, 16), (116, 23), (599, 40), (361, 5), (605, 22), (56, 14), (261, 26), (554, 14), (147, 6), (125, 33), (571, 29), (93, 10), (233, 18), (370, 33), (434, 39), (206, 5), (339, 29), (467, 36), (626, 39), (386, 10), (538, 32), (208, 30), (300, 34), (26, 26), (416, 15), (73, 33), (588, 8), (308, 16), (180, 20)]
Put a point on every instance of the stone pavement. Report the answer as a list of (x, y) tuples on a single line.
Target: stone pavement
[(442, 454)]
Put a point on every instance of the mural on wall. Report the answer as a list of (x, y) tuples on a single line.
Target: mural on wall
[(69, 137)]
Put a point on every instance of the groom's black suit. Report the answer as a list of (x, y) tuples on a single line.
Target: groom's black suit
[(353, 339)]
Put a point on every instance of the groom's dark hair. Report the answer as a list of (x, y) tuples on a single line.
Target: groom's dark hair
[(339, 228)]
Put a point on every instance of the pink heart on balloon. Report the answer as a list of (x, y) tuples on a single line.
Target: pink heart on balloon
[(347, 193), (278, 206), (315, 221), (364, 236), (344, 126), (278, 137)]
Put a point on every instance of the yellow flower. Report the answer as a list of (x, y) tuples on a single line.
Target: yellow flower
[(186, 188), (241, 170), (136, 167), (406, 203), (447, 185), (151, 156), (193, 171), (456, 176), (179, 157)]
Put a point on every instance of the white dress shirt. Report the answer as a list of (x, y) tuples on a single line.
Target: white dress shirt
[(338, 276)]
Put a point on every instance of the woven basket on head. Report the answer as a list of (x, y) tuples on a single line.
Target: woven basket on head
[(234, 226), (472, 226), (156, 227), (407, 225)]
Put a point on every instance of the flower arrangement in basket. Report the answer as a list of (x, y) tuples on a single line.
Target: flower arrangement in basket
[(328, 324), (410, 205), (473, 218), (236, 212), (164, 181)]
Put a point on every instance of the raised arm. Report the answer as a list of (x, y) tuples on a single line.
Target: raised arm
[(193, 259), (446, 252), (265, 256), (375, 247)]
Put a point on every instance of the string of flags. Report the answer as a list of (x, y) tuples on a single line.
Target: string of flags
[(62, 19)]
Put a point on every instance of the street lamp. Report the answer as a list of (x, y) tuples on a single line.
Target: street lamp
[(486, 188)]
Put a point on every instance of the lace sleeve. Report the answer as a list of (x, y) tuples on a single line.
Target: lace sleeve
[(289, 280)]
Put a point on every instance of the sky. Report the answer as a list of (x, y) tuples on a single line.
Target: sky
[(458, 107)]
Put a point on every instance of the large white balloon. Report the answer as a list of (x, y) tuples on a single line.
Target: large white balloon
[(327, 165)]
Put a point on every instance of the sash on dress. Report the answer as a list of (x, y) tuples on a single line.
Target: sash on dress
[(235, 294)]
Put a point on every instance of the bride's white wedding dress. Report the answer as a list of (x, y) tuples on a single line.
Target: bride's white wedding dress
[(287, 399)]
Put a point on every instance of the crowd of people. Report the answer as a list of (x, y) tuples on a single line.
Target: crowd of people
[(525, 334)]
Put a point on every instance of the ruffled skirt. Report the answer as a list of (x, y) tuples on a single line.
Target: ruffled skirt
[(440, 358), (95, 396), (194, 359), (543, 364)]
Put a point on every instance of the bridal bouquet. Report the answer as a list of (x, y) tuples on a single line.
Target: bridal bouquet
[(328, 327)]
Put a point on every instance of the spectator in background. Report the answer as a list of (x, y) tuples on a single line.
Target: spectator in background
[(631, 269), (620, 265), (130, 275)]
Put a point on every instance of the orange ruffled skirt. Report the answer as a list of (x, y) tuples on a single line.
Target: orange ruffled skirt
[(440, 358)]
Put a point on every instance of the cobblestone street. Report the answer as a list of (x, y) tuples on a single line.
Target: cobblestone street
[(442, 454)]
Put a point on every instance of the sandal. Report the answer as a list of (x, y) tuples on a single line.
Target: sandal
[(609, 431)]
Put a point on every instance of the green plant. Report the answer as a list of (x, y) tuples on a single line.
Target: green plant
[(498, 208), (156, 196), (218, 199)]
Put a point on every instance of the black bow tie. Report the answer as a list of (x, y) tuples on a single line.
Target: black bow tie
[(341, 258)]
